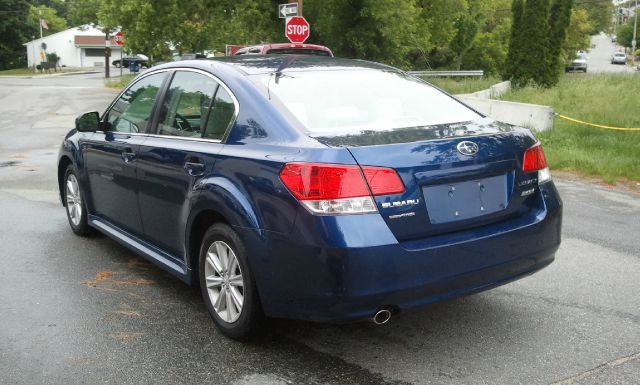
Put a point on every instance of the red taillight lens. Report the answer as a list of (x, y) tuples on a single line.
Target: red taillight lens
[(534, 159), (314, 181), (339, 189), (383, 181)]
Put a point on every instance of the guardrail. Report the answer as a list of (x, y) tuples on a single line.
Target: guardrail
[(447, 74)]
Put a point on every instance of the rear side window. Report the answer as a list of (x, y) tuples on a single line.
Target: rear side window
[(132, 111), (221, 116), (185, 108)]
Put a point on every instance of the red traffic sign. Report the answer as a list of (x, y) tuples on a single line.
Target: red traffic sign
[(118, 38), (297, 29)]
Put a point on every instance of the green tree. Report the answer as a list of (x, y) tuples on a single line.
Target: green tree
[(600, 14), (13, 32), (578, 37), (559, 19), (49, 15), (380, 30), (517, 45), (625, 34), (83, 12)]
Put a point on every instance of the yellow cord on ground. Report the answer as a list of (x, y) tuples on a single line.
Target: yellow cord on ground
[(596, 125)]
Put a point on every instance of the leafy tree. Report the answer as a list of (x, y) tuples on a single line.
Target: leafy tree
[(380, 30), (49, 15), (600, 14), (83, 12), (578, 37), (625, 34), (13, 32), (466, 30)]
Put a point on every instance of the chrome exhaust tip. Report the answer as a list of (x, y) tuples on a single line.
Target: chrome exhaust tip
[(381, 317)]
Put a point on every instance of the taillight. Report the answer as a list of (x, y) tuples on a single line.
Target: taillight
[(534, 160), (339, 189), (383, 181)]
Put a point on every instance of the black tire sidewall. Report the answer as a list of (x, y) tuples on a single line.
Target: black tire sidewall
[(83, 227), (245, 326)]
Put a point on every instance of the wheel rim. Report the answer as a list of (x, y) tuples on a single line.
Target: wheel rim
[(74, 200), (225, 285)]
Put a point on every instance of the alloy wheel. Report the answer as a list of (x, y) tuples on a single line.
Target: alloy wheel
[(74, 200), (225, 285)]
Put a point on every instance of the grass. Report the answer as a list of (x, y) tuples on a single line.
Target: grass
[(458, 86), (119, 83), (611, 100), (29, 72)]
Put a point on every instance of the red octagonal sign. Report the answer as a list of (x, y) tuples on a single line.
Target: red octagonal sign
[(297, 29)]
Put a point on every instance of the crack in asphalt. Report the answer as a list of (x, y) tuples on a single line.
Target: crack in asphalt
[(607, 365), (556, 302)]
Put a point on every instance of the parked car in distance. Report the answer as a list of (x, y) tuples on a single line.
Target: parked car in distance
[(125, 61), (619, 58), (285, 48), (310, 187), (614, 39), (579, 63)]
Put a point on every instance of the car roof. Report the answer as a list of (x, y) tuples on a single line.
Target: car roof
[(264, 64), (283, 46)]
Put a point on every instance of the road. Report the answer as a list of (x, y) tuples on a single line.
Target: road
[(87, 311), (600, 56)]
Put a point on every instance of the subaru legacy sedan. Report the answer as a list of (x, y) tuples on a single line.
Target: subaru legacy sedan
[(313, 188)]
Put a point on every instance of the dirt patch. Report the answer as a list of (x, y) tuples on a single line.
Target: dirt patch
[(111, 281)]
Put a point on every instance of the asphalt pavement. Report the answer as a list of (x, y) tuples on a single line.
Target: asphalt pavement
[(599, 56), (88, 311)]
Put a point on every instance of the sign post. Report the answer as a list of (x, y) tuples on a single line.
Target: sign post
[(297, 29), (120, 42)]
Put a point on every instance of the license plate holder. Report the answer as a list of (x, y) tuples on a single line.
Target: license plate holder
[(451, 202)]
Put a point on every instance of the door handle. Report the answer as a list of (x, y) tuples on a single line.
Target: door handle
[(128, 155), (194, 167)]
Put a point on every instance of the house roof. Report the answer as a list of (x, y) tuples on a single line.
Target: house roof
[(91, 41)]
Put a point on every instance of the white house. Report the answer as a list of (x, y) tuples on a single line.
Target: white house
[(77, 47)]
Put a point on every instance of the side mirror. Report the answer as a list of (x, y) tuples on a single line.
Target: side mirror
[(88, 122)]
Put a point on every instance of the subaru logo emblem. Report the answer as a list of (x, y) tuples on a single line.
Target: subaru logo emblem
[(467, 148)]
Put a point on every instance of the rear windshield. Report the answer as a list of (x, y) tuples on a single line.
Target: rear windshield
[(297, 51), (340, 102)]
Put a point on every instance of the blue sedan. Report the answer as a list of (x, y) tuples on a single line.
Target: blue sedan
[(312, 188)]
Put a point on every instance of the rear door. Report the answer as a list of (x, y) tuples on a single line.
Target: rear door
[(111, 155), (194, 115)]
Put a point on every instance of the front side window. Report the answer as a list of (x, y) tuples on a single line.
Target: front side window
[(341, 102), (132, 111), (186, 107)]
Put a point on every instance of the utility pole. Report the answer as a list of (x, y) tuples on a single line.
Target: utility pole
[(300, 7), (107, 45), (635, 27)]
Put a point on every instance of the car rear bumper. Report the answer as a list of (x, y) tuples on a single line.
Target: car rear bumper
[(307, 277)]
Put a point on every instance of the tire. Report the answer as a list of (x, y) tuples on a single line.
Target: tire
[(117, 64), (75, 204), (240, 320)]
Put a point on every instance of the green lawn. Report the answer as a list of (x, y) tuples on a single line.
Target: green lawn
[(120, 82), (457, 86), (29, 72), (611, 100)]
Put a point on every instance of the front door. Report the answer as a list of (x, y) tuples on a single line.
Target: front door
[(111, 155)]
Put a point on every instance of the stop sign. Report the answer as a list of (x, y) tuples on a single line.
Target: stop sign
[(118, 38), (297, 29)]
